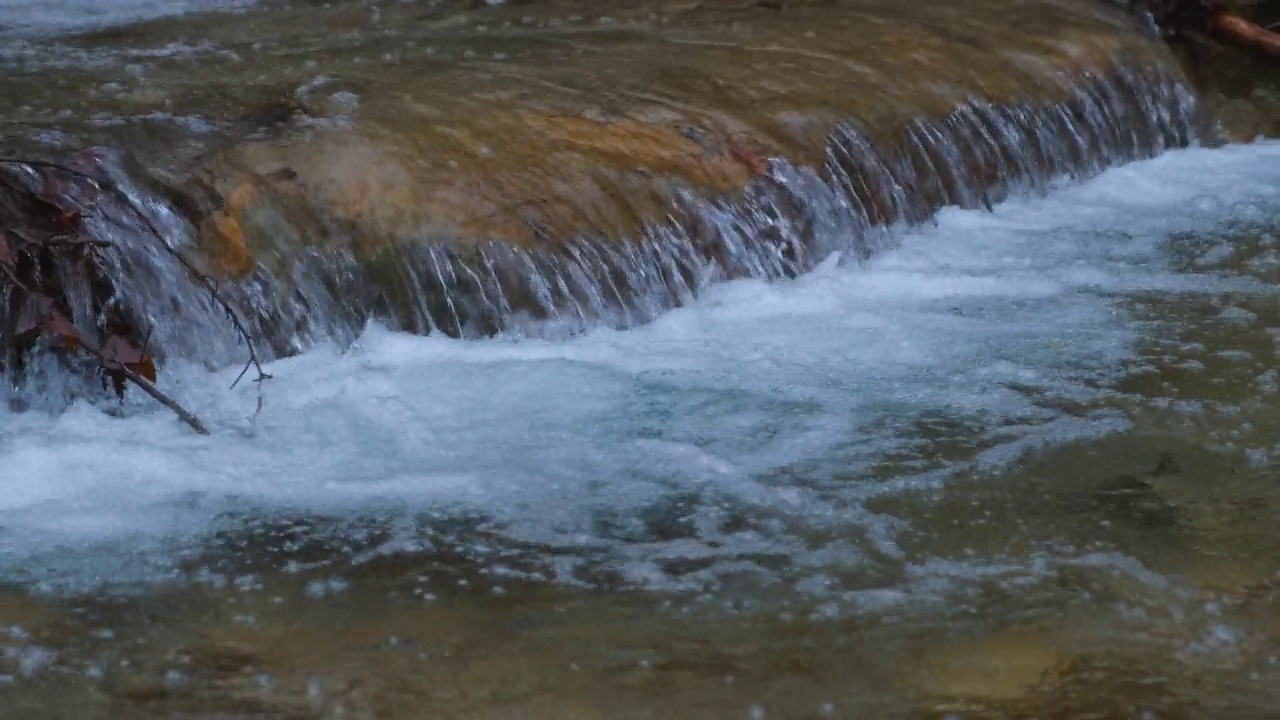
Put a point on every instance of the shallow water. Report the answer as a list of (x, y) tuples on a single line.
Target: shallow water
[(994, 464), (978, 327), (1021, 464)]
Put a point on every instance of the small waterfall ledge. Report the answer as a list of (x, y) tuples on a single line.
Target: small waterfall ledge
[(304, 266), (785, 220)]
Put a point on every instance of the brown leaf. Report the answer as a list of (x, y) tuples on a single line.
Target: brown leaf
[(756, 164), (117, 352), (70, 198), (57, 192), (242, 197), (40, 311), (146, 367), (57, 324)]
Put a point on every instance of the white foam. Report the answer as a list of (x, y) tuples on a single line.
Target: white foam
[(730, 434), (43, 17)]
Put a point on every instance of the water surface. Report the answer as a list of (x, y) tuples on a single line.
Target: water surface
[(829, 455)]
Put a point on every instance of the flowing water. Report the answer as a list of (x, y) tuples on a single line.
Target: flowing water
[(843, 367)]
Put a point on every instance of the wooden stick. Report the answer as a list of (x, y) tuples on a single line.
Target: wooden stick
[(1234, 29), (146, 385), (160, 397)]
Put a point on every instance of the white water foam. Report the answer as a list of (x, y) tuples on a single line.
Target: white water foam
[(49, 17), (736, 435)]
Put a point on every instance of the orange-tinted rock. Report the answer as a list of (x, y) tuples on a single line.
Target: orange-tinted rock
[(230, 253)]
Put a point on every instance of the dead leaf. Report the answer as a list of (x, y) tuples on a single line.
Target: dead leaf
[(118, 352), (755, 163), (70, 196), (57, 191), (146, 367), (57, 324), (40, 311)]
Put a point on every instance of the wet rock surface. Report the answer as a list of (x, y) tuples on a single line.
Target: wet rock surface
[(468, 169)]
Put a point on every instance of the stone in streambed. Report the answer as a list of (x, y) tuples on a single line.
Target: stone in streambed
[(1007, 666)]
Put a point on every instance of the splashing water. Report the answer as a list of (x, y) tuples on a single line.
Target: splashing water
[(783, 224), (738, 435)]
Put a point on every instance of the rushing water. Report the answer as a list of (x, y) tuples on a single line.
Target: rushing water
[(751, 426), (965, 407), (753, 448)]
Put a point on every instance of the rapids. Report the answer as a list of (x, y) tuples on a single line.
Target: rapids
[(738, 435)]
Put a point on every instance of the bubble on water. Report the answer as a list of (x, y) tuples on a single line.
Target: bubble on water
[(248, 583), (317, 589)]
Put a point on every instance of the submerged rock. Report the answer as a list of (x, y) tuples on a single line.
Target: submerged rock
[(1007, 666)]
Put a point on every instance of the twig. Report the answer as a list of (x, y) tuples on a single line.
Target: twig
[(155, 392), (11, 274), (67, 241), (110, 185), (147, 386), (1242, 32)]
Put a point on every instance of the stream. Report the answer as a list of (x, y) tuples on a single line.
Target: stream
[(828, 375)]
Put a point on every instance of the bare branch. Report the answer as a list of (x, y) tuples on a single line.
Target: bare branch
[(146, 385), (150, 389), (1231, 28)]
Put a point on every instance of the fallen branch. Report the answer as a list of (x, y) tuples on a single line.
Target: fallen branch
[(164, 400), (1212, 18), (1234, 29), (116, 367), (117, 358)]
